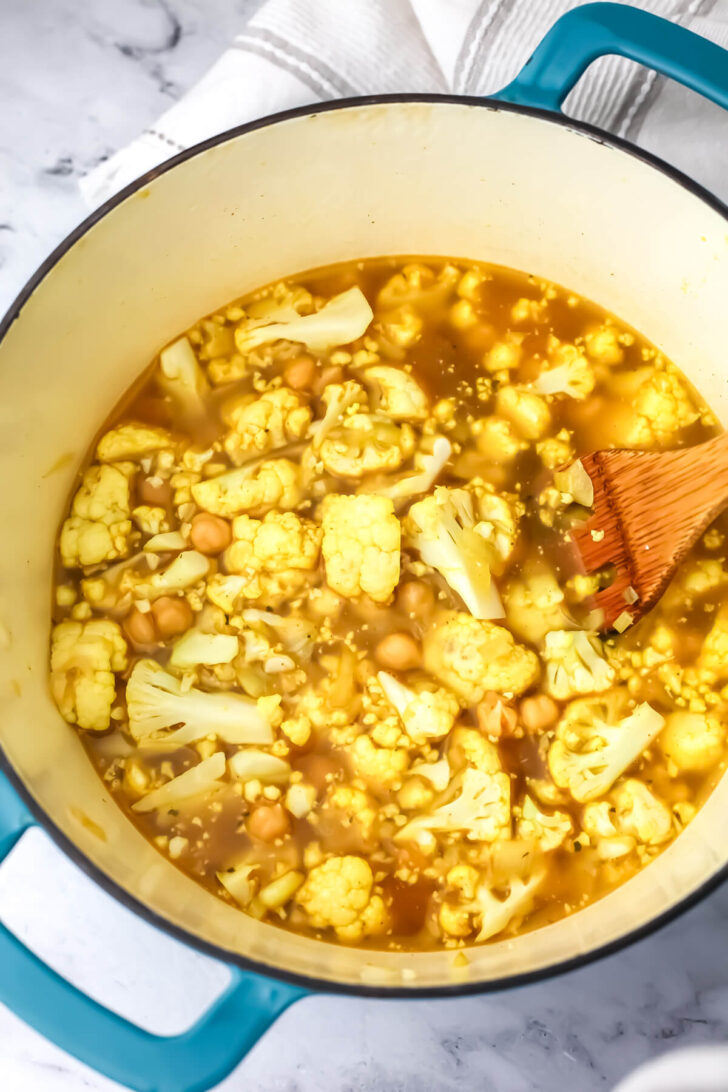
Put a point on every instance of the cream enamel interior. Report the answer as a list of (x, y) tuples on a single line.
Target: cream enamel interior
[(429, 178)]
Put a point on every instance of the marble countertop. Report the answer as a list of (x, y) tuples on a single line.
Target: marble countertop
[(76, 82)]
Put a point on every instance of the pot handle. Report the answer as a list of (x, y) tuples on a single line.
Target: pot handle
[(593, 30), (194, 1061)]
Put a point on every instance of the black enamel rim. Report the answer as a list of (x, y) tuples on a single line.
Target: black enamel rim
[(47, 823)]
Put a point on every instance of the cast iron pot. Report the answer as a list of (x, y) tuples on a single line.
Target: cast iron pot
[(508, 180)]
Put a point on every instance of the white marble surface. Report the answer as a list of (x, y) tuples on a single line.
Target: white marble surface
[(77, 81)]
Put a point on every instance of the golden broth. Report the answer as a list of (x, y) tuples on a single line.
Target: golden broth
[(477, 341)]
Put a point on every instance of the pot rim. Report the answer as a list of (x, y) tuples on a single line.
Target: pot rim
[(46, 822)]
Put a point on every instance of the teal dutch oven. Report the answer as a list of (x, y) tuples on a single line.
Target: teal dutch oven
[(507, 179)]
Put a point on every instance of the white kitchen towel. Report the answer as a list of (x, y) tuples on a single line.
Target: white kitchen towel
[(693, 1069), (298, 52)]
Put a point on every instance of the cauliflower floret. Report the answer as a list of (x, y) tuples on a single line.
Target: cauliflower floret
[(379, 718), (529, 310), (571, 373), (388, 732), (228, 590), (280, 302), (357, 806), (471, 282), (383, 767), (693, 581), (313, 706), (582, 586), (496, 439), (428, 465), (496, 911), (527, 412), (181, 378), (214, 337), (281, 541), (492, 909), (341, 320), (465, 879), (297, 730), (455, 920), (373, 921), (400, 396), (549, 830), (260, 425), (443, 528), (469, 746), (693, 741), (363, 444), (498, 519), (150, 520), (481, 810), (427, 715), (188, 569), (418, 285), (471, 656), (534, 603), (255, 490), (113, 589), (575, 485), (505, 355), (158, 701), (84, 657), (640, 813), (360, 547), (338, 893), (295, 633), (603, 347), (337, 398), (99, 526), (575, 664), (556, 450), (712, 662), (225, 590), (595, 744), (131, 441), (631, 810), (664, 405), (399, 330), (597, 820), (415, 795)]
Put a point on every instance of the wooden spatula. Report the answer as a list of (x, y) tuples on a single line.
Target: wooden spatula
[(649, 509)]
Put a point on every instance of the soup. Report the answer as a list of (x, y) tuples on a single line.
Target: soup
[(320, 625)]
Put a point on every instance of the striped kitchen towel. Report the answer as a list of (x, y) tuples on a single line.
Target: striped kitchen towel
[(298, 52)]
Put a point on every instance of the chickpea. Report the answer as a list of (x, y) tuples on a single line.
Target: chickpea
[(415, 597), (300, 373), (140, 628), (480, 338), (172, 615), (268, 822), (210, 534), (538, 713), (155, 493), (398, 652), (331, 374)]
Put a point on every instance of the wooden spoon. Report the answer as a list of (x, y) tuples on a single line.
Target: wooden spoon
[(649, 509)]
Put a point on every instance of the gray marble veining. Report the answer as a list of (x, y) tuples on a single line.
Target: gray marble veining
[(76, 82)]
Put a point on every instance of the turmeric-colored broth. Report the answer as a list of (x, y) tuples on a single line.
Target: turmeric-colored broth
[(418, 696)]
